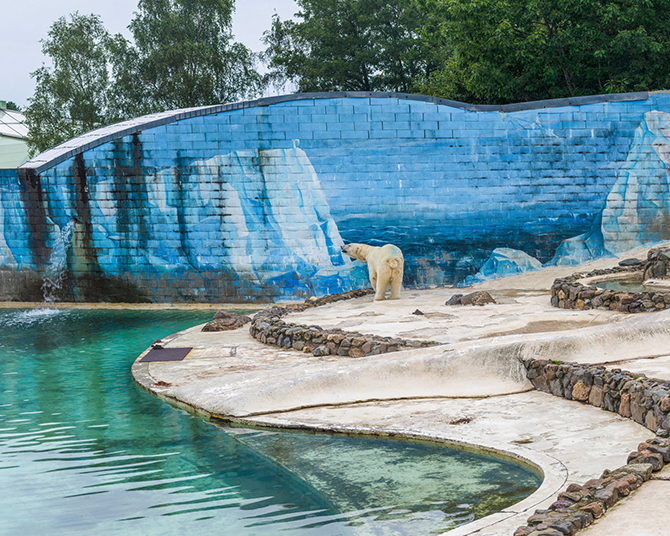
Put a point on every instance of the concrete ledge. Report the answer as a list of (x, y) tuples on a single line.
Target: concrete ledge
[(396, 395)]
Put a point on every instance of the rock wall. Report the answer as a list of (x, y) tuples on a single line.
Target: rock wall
[(252, 201), (645, 400), (269, 328), (569, 293)]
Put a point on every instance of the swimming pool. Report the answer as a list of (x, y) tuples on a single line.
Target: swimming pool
[(83, 450)]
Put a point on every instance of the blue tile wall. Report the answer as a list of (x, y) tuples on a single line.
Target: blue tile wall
[(253, 204)]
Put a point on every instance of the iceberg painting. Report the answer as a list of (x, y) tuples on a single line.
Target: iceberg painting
[(256, 218), (636, 211), (638, 207), (258, 213)]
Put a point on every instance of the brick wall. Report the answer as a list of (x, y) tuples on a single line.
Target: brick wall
[(252, 201)]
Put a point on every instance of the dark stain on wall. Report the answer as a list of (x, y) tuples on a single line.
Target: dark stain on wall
[(33, 199), (84, 214), (131, 197), (262, 206), (184, 241)]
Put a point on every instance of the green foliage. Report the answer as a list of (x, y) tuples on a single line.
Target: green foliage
[(71, 97), (500, 51), (183, 56), (349, 45), (10, 105)]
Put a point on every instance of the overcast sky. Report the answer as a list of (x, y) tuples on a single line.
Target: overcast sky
[(23, 23)]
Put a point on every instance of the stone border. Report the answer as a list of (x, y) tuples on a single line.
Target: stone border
[(269, 328), (569, 293), (644, 400), (579, 506)]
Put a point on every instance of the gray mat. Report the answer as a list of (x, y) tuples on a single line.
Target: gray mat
[(165, 354)]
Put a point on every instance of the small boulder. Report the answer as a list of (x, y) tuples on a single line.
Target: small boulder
[(631, 262), (454, 300), (477, 298), (480, 297), (224, 321)]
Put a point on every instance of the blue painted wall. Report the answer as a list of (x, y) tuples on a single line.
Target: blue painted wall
[(253, 201)]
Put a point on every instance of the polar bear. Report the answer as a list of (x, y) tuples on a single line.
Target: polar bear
[(385, 266)]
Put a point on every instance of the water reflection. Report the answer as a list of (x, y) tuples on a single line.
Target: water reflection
[(85, 451)]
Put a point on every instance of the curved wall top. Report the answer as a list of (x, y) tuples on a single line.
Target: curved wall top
[(252, 200), (94, 138)]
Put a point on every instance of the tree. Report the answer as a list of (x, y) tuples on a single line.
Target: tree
[(71, 96), (11, 105), (183, 56), (349, 45), (500, 51)]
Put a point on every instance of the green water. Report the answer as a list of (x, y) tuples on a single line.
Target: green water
[(621, 286), (83, 450)]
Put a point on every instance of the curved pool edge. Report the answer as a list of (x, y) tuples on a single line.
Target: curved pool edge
[(552, 470), (554, 473)]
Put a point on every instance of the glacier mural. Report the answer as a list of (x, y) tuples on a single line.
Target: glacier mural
[(277, 219), (636, 211), (259, 215)]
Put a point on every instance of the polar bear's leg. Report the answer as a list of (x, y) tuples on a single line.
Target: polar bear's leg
[(396, 285), (382, 284), (373, 276)]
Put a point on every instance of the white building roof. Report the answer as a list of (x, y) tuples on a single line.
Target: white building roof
[(12, 124)]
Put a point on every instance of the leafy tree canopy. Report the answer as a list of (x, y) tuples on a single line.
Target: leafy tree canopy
[(71, 97), (500, 51), (349, 45), (183, 56)]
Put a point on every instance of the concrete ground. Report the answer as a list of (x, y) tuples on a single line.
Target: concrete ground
[(471, 390)]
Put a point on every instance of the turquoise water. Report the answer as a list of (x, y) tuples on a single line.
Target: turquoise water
[(83, 450)]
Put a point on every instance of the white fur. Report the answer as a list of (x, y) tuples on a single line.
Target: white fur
[(385, 266)]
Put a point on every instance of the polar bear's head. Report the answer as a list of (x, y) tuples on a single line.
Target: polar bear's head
[(356, 251)]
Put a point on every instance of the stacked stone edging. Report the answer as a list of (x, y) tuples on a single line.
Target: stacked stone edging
[(645, 400), (269, 328), (578, 506), (568, 293)]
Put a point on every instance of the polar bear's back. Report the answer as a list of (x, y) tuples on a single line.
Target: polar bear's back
[(391, 256)]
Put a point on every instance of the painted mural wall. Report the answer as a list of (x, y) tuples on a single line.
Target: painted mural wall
[(252, 201)]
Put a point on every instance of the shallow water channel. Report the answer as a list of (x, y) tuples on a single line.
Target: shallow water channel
[(83, 450)]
